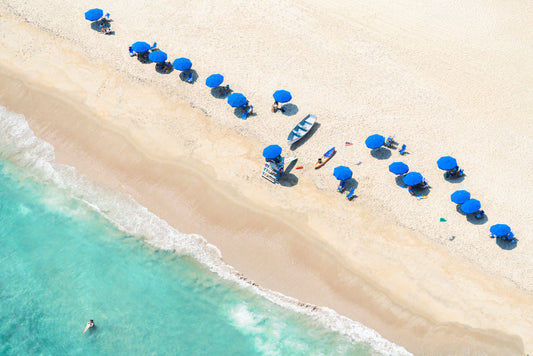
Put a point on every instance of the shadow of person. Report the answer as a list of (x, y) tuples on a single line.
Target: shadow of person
[(471, 218), (381, 153), (288, 180), (304, 139), (289, 109), (505, 244), (220, 92)]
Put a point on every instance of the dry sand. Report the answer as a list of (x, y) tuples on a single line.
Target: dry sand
[(449, 78)]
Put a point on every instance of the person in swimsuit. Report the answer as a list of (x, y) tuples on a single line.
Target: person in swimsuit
[(89, 325)]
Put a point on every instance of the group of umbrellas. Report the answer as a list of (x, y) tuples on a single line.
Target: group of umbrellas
[(468, 206), (342, 173)]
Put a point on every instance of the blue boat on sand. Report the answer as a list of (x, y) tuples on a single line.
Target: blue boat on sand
[(301, 129)]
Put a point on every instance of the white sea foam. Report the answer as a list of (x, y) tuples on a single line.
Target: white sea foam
[(19, 145)]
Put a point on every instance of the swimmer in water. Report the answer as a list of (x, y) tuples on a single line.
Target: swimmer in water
[(90, 324)]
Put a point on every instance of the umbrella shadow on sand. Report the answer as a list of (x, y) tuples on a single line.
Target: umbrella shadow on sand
[(95, 26), (505, 244), (220, 92), (381, 153), (241, 110), (304, 139), (399, 180), (288, 179), (471, 218), (186, 73), (454, 180), (289, 109)]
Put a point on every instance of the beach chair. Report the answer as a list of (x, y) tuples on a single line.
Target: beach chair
[(107, 16), (154, 46), (402, 150), (350, 194), (131, 52), (189, 78), (341, 186), (480, 215)]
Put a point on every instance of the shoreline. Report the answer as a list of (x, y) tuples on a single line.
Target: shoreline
[(376, 264)]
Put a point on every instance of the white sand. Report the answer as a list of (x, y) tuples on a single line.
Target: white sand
[(444, 78)]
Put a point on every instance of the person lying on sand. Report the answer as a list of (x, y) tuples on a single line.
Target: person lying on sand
[(89, 325), (275, 106)]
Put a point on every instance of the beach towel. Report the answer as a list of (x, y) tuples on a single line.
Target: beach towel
[(349, 144)]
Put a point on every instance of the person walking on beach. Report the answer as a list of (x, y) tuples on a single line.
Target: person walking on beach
[(89, 325)]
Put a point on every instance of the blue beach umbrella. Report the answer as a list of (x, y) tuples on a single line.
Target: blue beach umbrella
[(182, 63), (236, 100), (500, 230), (342, 173), (282, 96), (140, 47), (94, 14), (471, 206), (214, 80), (157, 56), (446, 163), (413, 178), (398, 168), (460, 196), (374, 141), (272, 151)]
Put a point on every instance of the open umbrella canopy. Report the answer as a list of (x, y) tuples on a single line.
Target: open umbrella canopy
[(471, 206), (272, 151), (500, 230), (182, 63), (157, 56), (374, 141), (413, 178), (398, 168), (282, 96), (342, 173), (94, 14), (140, 47), (236, 100), (214, 80), (460, 196), (446, 163)]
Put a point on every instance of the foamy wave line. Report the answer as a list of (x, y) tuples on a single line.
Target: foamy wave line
[(20, 146)]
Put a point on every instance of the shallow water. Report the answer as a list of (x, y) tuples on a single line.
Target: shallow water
[(63, 261)]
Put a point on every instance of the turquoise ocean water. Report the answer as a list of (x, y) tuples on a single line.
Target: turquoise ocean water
[(71, 251)]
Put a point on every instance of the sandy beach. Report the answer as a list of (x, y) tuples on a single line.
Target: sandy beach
[(445, 79)]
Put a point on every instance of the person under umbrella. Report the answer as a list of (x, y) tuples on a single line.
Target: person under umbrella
[(159, 58), (460, 196), (398, 168), (342, 173), (237, 100), (374, 141), (449, 164), (280, 96)]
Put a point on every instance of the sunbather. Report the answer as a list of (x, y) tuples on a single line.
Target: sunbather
[(390, 142), (275, 106), (106, 30)]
